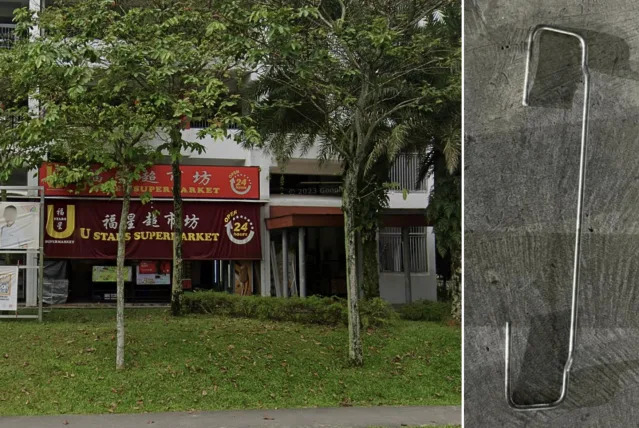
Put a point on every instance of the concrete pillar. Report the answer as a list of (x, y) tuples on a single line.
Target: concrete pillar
[(265, 264), (285, 263), (31, 274), (301, 251), (261, 159), (406, 262)]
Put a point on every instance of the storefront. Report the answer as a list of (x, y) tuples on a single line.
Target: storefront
[(221, 234)]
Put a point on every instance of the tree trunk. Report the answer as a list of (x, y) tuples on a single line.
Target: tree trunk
[(456, 308), (371, 265), (355, 354), (176, 290), (126, 201), (3, 198)]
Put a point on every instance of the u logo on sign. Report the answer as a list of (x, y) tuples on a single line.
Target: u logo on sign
[(54, 225)]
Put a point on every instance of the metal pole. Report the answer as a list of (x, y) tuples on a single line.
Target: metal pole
[(41, 269), (577, 254), (285, 263), (406, 261), (301, 250)]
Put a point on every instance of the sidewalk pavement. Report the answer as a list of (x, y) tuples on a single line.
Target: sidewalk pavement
[(339, 417)]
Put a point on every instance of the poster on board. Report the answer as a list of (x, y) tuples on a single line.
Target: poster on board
[(19, 225), (8, 288), (147, 273), (110, 274)]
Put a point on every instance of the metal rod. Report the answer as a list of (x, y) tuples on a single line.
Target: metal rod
[(285, 290), (41, 263), (301, 248), (13, 317), (580, 197), (39, 188)]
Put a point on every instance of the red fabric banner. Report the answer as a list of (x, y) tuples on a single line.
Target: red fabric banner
[(84, 229), (202, 182)]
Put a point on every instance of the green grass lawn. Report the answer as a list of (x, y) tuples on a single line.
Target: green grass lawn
[(67, 364)]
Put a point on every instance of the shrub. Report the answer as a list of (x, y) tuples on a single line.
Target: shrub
[(376, 312), (312, 310), (426, 310)]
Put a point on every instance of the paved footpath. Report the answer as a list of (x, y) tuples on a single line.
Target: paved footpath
[(351, 417)]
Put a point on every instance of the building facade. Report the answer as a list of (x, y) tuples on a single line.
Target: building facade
[(294, 213)]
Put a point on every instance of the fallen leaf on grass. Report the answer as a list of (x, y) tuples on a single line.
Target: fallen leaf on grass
[(346, 402)]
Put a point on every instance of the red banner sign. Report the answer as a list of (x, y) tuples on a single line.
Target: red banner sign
[(83, 229), (203, 182)]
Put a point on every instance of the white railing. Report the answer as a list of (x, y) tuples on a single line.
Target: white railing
[(405, 172), (7, 35), (10, 120), (203, 123), (390, 249)]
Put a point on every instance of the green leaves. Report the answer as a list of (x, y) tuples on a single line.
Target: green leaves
[(214, 27)]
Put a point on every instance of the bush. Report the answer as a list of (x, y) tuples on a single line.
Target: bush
[(312, 310), (426, 310)]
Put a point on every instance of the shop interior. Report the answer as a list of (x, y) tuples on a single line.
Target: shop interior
[(325, 260), (149, 281)]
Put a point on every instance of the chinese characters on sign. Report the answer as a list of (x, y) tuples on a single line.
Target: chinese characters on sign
[(212, 230), (151, 220), (202, 182)]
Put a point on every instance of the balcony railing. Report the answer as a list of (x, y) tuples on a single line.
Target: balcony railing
[(204, 123), (7, 35), (405, 171), (10, 120)]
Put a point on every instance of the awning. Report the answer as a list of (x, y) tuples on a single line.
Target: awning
[(282, 217)]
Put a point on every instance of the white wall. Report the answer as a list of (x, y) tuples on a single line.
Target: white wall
[(391, 287), (305, 201)]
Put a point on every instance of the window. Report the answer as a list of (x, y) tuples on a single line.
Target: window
[(390, 249), (405, 171), (7, 35)]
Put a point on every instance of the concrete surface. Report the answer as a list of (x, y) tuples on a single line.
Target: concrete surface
[(323, 417), (521, 168)]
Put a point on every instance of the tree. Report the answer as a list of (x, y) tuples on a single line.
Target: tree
[(354, 77), (110, 76), (91, 116), (442, 157), (18, 149), (179, 59)]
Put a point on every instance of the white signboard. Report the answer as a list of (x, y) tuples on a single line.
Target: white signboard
[(8, 288), (19, 225)]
